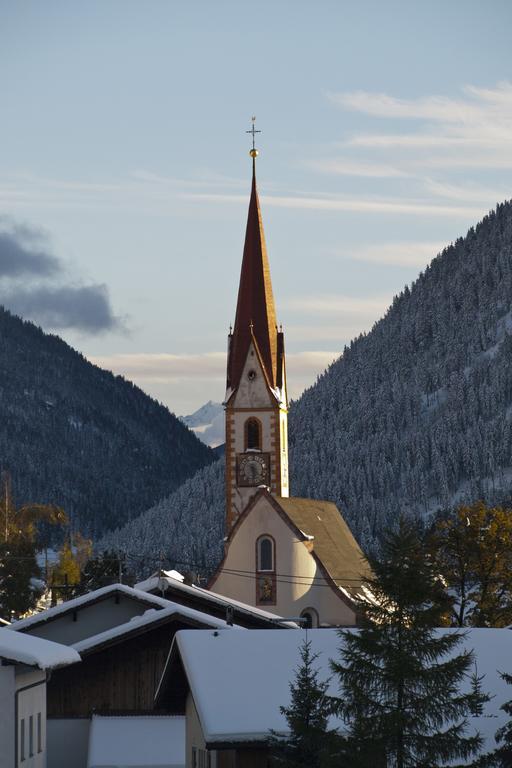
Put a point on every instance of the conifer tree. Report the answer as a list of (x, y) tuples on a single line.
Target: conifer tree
[(106, 568), (399, 677), (502, 757), (309, 743)]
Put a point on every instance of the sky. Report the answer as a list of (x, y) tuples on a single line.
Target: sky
[(386, 132)]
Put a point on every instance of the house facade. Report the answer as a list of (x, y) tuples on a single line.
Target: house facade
[(25, 665), (231, 685), (122, 637)]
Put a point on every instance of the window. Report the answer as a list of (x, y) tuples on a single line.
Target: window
[(31, 736), (22, 739), (39, 733), (200, 758), (265, 554), (311, 618), (265, 571), (253, 434)]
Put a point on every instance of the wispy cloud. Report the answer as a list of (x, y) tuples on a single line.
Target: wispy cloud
[(353, 205), (466, 193), (481, 118), (163, 375), (400, 254), (354, 168), (431, 136), (337, 305), (161, 367), (438, 108)]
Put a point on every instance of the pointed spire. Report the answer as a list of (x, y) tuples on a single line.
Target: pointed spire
[(255, 311)]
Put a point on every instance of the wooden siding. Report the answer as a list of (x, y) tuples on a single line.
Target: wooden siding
[(121, 678)]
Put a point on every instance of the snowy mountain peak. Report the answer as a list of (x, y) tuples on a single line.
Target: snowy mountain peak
[(207, 423)]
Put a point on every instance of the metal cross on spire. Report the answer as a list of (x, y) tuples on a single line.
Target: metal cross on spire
[(253, 131)]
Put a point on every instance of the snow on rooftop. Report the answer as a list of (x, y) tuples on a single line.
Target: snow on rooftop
[(253, 692), (34, 651), (84, 600), (159, 582), (153, 741), (151, 616)]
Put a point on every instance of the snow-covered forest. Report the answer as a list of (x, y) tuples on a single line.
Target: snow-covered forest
[(415, 415), (74, 435)]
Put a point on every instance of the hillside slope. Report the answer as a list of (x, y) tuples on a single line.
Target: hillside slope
[(415, 415), (78, 436)]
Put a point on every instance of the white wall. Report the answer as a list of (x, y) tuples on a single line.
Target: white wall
[(292, 557), (31, 708), (68, 742), (90, 620), (194, 734), (7, 686)]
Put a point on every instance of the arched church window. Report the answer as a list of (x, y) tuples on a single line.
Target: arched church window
[(253, 434), (310, 617), (265, 571), (265, 554)]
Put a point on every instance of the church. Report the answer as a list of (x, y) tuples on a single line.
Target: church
[(291, 556)]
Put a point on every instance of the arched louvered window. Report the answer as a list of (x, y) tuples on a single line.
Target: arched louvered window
[(253, 434)]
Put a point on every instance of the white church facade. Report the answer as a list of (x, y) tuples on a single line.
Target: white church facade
[(295, 557)]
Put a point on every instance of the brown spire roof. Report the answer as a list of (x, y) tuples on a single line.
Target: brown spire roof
[(255, 307)]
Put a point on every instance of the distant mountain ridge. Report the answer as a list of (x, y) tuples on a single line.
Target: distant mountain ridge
[(415, 415), (208, 423), (78, 436)]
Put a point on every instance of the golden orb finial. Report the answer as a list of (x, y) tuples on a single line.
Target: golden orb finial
[(253, 153)]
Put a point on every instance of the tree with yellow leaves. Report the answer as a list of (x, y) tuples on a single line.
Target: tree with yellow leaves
[(66, 576), (20, 585), (472, 550)]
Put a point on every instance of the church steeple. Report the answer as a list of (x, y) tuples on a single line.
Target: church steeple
[(255, 311), (256, 400)]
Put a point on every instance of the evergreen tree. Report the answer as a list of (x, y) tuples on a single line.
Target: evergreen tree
[(309, 743), (20, 587), (503, 755), (107, 568), (400, 677)]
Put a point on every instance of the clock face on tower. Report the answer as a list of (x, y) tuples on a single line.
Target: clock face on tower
[(253, 469)]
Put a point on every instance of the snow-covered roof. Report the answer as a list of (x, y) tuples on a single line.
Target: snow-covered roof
[(253, 670), (34, 651), (151, 616), (166, 579), (84, 600), (137, 741)]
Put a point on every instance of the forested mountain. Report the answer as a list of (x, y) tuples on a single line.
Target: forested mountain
[(75, 435), (415, 415)]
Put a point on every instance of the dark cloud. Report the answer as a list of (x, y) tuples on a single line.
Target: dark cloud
[(19, 258), (84, 308), (33, 284)]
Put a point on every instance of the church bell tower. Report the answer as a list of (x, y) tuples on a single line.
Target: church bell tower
[(256, 401)]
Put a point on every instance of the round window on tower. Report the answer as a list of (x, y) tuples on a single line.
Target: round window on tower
[(251, 375)]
